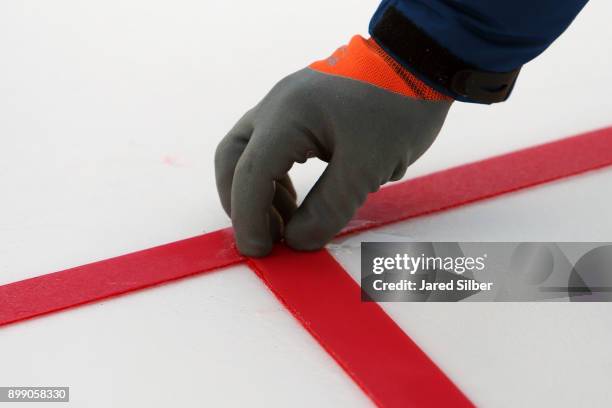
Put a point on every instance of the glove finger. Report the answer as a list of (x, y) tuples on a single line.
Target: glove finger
[(286, 182), (276, 224), (285, 198), (283, 207), (227, 155), (268, 157), (330, 204), (399, 171)]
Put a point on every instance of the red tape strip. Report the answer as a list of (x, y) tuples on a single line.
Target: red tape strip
[(389, 367), (340, 322), (83, 284)]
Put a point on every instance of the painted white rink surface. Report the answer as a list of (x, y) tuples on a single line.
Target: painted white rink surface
[(109, 116)]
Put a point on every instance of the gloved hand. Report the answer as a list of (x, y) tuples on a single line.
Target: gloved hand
[(358, 110)]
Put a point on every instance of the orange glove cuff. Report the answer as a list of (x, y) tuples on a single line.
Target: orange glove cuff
[(364, 60)]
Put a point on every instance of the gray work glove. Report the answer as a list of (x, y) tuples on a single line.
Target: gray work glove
[(367, 130)]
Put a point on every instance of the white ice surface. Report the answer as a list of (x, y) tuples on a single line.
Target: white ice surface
[(219, 339), (109, 115)]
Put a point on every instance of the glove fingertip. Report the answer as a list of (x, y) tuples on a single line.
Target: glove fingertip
[(303, 235), (254, 248)]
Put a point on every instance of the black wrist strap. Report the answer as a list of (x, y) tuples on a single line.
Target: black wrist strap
[(425, 57)]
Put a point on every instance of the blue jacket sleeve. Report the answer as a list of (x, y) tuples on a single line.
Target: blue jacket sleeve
[(495, 36)]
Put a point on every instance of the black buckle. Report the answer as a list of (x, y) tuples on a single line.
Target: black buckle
[(482, 86)]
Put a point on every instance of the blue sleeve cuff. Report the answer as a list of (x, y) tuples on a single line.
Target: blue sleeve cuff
[(495, 37)]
